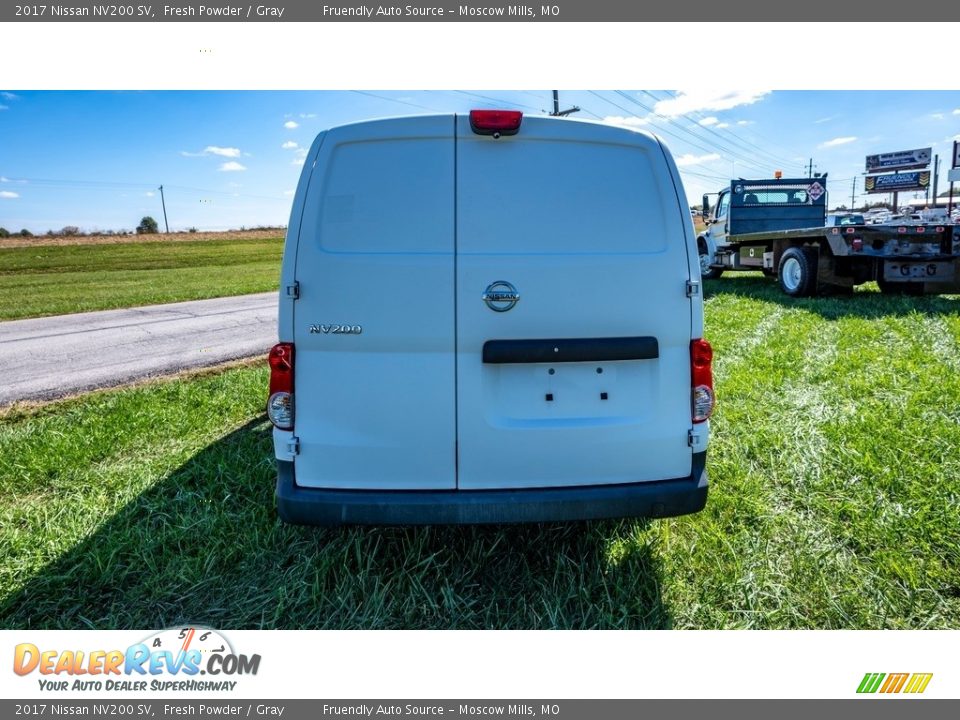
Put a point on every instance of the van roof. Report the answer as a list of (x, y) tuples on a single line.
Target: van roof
[(536, 120)]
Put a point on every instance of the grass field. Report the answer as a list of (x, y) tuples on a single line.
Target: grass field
[(51, 279), (835, 503)]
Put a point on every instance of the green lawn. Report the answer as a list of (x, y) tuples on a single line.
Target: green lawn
[(50, 280), (835, 503)]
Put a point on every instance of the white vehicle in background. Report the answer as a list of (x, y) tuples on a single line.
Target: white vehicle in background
[(840, 219), (489, 318), (876, 216)]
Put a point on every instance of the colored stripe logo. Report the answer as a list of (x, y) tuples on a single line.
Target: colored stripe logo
[(913, 683)]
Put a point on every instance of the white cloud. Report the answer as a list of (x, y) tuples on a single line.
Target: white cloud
[(937, 116), (8, 195), (8, 96), (628, 121), (306, 116), (234, 184), (4, 107), (4, 179), (298, 161), (723, 125), (149, 193), (838, 141), (690, 159), (708, 121), (688, 102), (221, 151), (232, 166), (230, 152), (290, 145), (825, 119), (288, 192), (957, 111), (291, 125), (744, 123)]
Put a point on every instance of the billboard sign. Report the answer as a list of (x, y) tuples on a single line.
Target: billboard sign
[(956, 154), (896, 182), (902, 160)]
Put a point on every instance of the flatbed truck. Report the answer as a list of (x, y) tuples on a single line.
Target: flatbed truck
[(777, 226)]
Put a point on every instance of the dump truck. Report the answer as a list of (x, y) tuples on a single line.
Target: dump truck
[(778, 226)]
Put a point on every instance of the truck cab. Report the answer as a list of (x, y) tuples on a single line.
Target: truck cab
[(752, 206)]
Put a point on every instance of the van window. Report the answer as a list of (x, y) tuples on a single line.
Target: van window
[(386, 196), (555, 196)]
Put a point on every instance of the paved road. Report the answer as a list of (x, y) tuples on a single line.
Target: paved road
[(55, 356)]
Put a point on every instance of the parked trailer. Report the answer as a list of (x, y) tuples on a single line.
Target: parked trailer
[(778, 226)]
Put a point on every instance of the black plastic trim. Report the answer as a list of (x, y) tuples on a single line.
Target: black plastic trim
[(667, 498), (570, 350)]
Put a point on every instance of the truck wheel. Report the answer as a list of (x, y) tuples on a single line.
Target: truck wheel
[(707, 272), (798, 272)]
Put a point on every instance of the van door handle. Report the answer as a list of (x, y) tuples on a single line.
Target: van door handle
[(500, 352)]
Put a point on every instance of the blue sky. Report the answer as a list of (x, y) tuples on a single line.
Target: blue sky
[(231, 159)]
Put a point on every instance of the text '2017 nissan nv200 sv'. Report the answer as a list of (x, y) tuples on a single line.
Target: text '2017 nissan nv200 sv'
[(489, 318)]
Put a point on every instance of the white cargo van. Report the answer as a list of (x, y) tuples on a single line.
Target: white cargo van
[(489, 318)]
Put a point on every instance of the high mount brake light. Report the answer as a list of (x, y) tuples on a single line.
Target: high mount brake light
[(701, 370), (495, 122)]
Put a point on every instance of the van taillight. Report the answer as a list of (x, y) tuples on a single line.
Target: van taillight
[(280, 403), (495, 122), (701, 364)]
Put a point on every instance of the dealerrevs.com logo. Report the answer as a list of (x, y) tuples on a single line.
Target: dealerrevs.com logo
[(169, 660), (892, 683)]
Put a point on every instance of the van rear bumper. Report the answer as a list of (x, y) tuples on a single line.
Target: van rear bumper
[(666, 498)]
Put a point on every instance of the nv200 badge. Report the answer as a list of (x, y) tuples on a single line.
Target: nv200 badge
[(322, 329)]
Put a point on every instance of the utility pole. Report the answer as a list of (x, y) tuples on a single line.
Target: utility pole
[(164, 203), (810, 169), (557, 112), (853, 195), (953, 162), (936, 175)]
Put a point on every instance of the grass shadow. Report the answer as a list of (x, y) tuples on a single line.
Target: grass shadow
[(204, 545), (866, 302)]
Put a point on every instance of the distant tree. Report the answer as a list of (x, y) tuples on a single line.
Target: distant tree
[(70, 230), (147, 226), (4, 233), (25, 233)]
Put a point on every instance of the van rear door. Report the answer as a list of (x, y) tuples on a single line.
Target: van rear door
[(586, 379), (374, 324)]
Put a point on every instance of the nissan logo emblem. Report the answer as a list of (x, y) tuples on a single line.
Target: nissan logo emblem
[(500, 296)]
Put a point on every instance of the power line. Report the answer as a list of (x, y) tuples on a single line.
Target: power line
[(112, 186), (396, 100), (745, 159), (665, 131), (741, 142), (499, 101)]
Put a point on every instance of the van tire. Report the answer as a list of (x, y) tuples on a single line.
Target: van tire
[(797, 272)]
